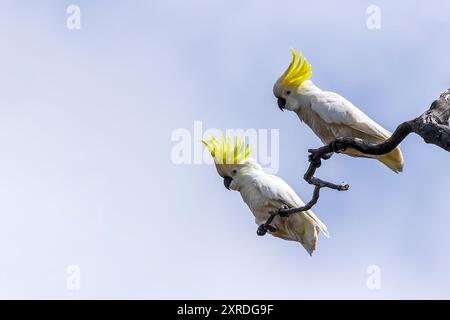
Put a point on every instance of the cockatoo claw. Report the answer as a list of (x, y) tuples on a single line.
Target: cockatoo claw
[(262, 229), (282, 211)]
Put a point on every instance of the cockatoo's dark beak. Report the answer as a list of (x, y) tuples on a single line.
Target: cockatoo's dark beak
[(281, 103), (227, 181)]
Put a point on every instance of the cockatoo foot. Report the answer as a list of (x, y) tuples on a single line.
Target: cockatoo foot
[(262, 229), (282, 211), (337, 147)]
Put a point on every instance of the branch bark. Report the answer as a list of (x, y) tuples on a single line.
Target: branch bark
[(432, 126)]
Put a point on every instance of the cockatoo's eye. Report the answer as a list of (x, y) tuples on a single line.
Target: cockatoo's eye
[(234, 171), (288, 92)]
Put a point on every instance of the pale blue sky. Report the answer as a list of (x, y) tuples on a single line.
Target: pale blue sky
[(86, 176)]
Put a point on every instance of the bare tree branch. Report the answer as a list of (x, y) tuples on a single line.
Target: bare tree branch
[(432, 126)]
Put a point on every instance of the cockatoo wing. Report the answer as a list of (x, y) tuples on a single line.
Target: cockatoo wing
[(335, 109), (276, 189)]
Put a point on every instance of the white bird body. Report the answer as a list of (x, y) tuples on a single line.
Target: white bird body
[(265, 193), (330, 115)]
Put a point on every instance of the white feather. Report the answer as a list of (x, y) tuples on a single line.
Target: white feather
[(264, 194), (335, 109), (275, 188)]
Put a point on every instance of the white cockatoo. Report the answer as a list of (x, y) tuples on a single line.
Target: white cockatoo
[(264, 193), (328, 114)]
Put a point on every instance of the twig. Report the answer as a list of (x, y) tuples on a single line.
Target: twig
[(432, 126)]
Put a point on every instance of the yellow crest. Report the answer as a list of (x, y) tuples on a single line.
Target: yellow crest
[(298, 71), (225, 152)]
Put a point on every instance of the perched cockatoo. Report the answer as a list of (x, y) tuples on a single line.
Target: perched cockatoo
[(328, 114), (264, 193)]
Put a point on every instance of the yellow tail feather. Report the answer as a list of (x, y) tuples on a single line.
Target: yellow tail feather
[(393, 160)]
